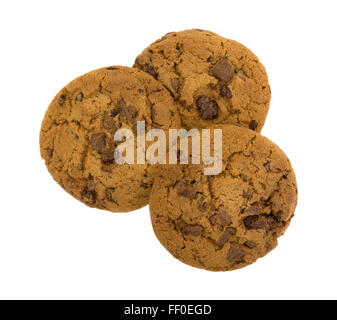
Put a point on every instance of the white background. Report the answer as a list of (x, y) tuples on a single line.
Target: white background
[(52, 246)]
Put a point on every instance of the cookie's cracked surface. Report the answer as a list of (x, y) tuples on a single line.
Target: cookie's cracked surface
[(77, 135), (227, 221), (215, 80)]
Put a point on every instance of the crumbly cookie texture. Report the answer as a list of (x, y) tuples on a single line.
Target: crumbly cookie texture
[(77, 135), (227, 221), (215, 80)]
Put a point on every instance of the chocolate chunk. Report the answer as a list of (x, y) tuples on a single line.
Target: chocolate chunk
[(89, 196), (79, 97), (121, 106), (115, 111), (61, 99), (208, 108), (223, 70), (254, 209), (150, 70), (108, 156), (175, 84), (253, 125), (255, 222), (109, 123), (112, 68), (272, 222), (193, 230), (127, 113), (250, 244), (97, 141), (213, 219), (134, 126), (184, 190), (266, 222), (225, 236), (225, 92), (224, 218), (235, 253)]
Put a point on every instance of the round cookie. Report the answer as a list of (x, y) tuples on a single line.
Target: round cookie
[(215, 80), (77, 135), (226, 221)]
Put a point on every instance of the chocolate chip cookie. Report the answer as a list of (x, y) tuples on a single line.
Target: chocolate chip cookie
[(215, 80), (226, 221), (77, 135)]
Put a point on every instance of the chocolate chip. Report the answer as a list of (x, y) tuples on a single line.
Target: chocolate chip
[(235, 253), (150, 70), (193, 230), (89, 196), (61, 99), (97, 141), (184, 190), (79, 97), (253, 125), (225, 92), (223, 70), (250, 244), (175, 84), (112, 68), (225, 236), (207, 107)]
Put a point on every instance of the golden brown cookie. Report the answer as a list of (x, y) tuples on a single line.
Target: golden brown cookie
[(226, 221), (215, 80), (77, 135)]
